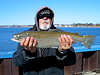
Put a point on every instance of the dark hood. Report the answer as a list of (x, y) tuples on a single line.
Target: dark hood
[(36, 26)]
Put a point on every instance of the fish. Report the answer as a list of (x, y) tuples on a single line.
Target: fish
[(49, 39)]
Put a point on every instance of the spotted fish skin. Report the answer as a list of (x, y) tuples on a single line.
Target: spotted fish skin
[(47, 39)]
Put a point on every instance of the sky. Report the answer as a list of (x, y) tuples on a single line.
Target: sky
[(22, 12)]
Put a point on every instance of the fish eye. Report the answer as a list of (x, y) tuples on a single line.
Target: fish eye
[(17, 35)]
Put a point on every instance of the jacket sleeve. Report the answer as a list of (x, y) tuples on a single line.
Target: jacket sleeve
[(21, 57), (66, 57)]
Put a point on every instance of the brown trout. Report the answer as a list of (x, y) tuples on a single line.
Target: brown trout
[(48, 39)]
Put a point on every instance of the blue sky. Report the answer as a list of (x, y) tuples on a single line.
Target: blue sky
[(15, 12)]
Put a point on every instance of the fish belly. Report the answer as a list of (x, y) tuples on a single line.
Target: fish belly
[(47, 42)]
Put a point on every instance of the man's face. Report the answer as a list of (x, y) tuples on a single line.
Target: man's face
[(44, 23)]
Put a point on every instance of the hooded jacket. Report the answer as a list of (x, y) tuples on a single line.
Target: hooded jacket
[(36, 26), (45, 61)]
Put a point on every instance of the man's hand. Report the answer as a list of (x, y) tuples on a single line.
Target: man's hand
[(29, 43), (65, 42)]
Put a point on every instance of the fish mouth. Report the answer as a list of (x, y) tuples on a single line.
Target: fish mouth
[(15, 40)]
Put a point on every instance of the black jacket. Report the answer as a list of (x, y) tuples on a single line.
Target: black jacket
[(45, 61)]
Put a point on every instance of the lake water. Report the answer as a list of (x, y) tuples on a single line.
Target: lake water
[(8, 47)]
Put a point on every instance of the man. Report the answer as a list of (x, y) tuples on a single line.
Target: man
[(44, 61)]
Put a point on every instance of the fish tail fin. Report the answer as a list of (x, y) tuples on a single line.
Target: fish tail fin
[(87, 42)]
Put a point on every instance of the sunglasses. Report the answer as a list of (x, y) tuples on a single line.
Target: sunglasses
[(45, 15)]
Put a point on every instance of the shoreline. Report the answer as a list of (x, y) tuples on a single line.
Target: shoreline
[(56, 26)]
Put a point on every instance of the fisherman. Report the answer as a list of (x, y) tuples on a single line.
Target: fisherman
[(44, 61)]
